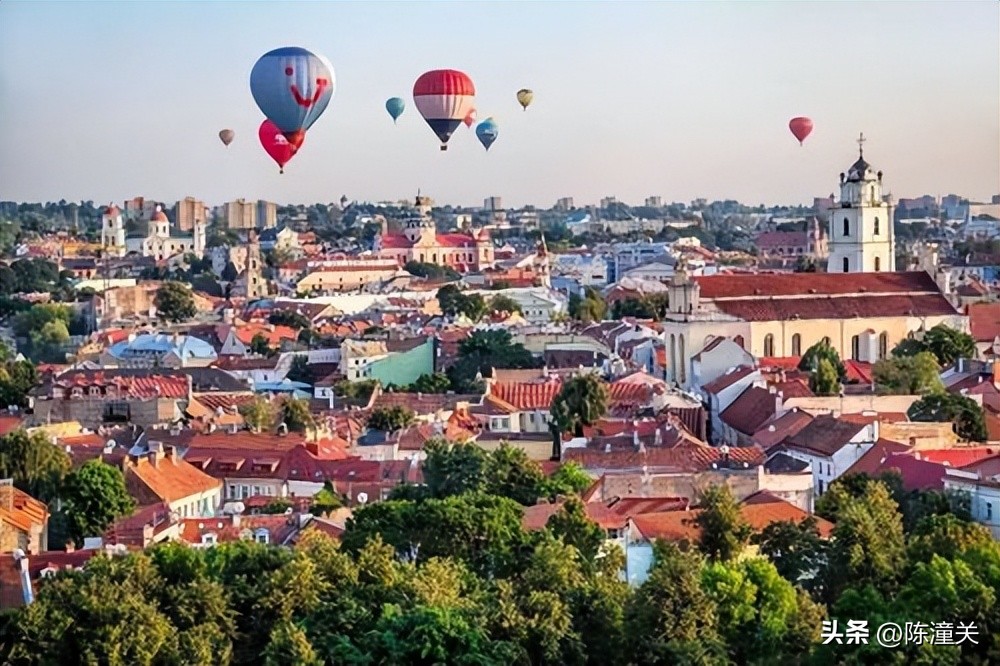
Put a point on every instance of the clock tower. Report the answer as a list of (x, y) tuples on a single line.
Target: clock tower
[(861, 238)]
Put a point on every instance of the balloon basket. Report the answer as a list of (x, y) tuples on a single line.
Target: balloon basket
[(444, 147)]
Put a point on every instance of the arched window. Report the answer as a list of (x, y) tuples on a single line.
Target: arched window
[(847, 227), (739, 340), (883, 344), (856, 347), (847, 265), (871, 194), (876, 226), (768, 345), (796, 345), (878, 264)]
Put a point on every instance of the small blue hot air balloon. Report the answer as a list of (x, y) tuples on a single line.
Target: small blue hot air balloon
[(395, 106), (487, 132), (292, 86)]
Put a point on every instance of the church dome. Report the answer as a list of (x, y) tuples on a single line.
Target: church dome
[(159, 216), (112, 210), (858, 170)]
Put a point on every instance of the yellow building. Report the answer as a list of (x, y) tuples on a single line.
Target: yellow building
[(862, 315), (347, 275)]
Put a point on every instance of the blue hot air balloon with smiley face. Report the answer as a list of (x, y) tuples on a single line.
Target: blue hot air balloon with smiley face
[(292, 86)]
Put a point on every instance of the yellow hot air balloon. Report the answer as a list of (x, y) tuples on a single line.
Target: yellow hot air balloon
[(227, 136), (524, 97)]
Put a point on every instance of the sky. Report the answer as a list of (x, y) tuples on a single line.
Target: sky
[(106, 101)]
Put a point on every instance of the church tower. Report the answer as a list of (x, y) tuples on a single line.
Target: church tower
[(861, 238), (113, 231), (254, 285)]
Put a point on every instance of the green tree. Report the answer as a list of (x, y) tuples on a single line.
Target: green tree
[(508, 472), (390, 419), (453, 468), (288, 645), (908, 375), (295, 414), (278, 505), (944, 342), (581, 401), (948, 536), (37, 466), (175, 302), (963, 412), (483, 351), (260, 346), (434, 383), (868, 545), (570, 479), (17, 378), (258, 414), (670, 616), (299, 370), (93, 496), (724, 531), (824, 380), (289, 318), (502, 303), (326, 500), (571, 524), (430, 271), (822, 350), (796, 549), (590, 308)]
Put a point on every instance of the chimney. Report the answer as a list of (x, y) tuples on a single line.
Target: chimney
[(996, 373), (70, 546), (236, 520)]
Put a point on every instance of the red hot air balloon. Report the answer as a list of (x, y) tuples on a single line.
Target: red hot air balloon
[(444, 98), (280, 148), (801, 128), (470, 118)]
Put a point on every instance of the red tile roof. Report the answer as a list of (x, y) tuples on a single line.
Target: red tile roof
[(759, 510), (133, 386), (170, 479), (225, 529), (522, 395), (751, 410), (843, 307), (916, 474), (871, 462), (965, 456), (817, 284), (825, 435), (687, 458), (984, 321), (728, 379), (784, 426)]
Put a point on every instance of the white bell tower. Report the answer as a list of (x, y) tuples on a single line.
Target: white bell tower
[(861, 238)]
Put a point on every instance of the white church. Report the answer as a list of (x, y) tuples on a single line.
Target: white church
[(158, 243), (860, 234)]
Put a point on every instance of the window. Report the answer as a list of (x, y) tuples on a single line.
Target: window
[(883, 345), (989, 511), (847, 227), (796, 345), (856, 347), (822, 487), (876, 226), (847, 265), (768, 345), (878, 264), (209, 539), (262, 536)]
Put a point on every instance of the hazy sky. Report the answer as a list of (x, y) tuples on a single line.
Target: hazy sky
[(110, 100)]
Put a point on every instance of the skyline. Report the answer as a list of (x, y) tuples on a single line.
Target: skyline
[(620, 108)]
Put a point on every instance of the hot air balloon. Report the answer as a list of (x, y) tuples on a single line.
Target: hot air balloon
[(470, 118), (292, 86), (487, 132), (444, 98), (395, 106), (227, 136), (524, 97), (277, 145), (801, 127)]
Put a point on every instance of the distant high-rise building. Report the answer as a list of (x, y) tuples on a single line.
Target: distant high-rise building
[(564, 203), (822, 206), (951, 201), (995, 199), (267, 214), (608, 202), (188, 211), (139, 208), (654, 202), (861, 234), (241, 214), (492, 204)]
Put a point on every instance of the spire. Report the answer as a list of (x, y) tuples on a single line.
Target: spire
[(543, 249), (861, 145)]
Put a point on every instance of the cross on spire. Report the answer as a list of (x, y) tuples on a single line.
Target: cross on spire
[(861, 142)]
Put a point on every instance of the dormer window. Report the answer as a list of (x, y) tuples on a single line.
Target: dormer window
[(77, 392), (262, 536), (95, 390), (209, 539)]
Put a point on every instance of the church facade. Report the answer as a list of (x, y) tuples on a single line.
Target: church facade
[(158, 242), (420, 241), (860, 306)]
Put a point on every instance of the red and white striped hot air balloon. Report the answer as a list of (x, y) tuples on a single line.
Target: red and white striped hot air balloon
[(444, 97)]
